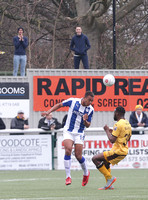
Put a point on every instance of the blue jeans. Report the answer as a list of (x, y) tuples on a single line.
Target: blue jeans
[(19, 60), (84, 59)]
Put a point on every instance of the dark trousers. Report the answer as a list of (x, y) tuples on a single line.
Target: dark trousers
[(84, 59)]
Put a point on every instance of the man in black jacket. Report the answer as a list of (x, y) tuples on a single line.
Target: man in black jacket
[(49, 123), (80, 45), (138, 119), (19, 122)]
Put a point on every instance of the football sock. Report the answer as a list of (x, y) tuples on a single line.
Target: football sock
[(109, 169), (83, 166), (105, 172), (67, 164)]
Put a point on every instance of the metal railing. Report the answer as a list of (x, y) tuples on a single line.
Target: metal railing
[(39, 130), (35, 131)]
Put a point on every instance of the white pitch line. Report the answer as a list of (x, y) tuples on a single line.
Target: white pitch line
[(30, 179), (37, 179), (50, 198), (81, 198), (34, 179)]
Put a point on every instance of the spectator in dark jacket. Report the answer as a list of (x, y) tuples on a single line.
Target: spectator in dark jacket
[(19, 122), (2, 124), (138, 119), (80, 45), (20, 43), (50, 123)]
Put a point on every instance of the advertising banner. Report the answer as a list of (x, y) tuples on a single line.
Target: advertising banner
[(94, 144), (25, 152), (127, 91), (14, 97)]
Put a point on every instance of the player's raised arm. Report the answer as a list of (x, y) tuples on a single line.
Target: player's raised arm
[(54, 108)]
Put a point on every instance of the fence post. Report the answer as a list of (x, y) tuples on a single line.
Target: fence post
[(53, 141)]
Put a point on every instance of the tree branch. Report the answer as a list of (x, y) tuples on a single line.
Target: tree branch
[(121, 13)]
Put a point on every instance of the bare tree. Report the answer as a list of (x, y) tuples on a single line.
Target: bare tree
[(51, 24), (54, 35)]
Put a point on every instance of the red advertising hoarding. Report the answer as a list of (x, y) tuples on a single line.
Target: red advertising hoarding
[(127, 91)]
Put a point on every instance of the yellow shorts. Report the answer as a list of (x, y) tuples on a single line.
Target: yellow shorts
[(112, 157)]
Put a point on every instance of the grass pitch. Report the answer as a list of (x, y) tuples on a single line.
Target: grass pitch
[(50, 185)]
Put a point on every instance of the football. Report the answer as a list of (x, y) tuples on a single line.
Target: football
[(108, 80)]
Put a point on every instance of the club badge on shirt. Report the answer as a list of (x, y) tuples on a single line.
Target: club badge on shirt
[(115, 128)]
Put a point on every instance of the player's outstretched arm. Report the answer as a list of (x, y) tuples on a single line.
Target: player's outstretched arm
[(54, 108)]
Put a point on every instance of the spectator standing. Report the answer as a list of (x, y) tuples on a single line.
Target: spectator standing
[(19, 122), (80, 44), (138, 119), (50, 123), (20, 43)]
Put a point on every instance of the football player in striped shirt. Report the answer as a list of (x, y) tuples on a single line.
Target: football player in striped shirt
[(120, 135), (79, 116)]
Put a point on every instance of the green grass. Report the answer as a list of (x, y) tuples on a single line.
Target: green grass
[(50, 185)]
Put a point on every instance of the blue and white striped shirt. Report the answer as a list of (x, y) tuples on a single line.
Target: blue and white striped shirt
[(74, 122)]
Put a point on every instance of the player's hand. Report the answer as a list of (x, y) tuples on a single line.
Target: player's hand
[(110, 130), (85, 117), (106, 128), (43, 114)]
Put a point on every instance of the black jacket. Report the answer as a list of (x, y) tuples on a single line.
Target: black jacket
[(17, 123), (133, 121), (80, 44), (43, 124), (2, 124)]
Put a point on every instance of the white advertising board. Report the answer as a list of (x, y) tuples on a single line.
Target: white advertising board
[(25, 152), (136, 158), (14, 97), (9, 108)]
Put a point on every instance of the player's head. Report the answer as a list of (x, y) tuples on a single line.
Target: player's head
[(78, 30), (88, 98), (119, 113)]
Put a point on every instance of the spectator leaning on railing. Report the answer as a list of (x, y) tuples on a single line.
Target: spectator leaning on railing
[(138, 119), (19, 122), (50, 123)]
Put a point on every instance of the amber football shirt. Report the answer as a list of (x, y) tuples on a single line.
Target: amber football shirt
[(122, 130)]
